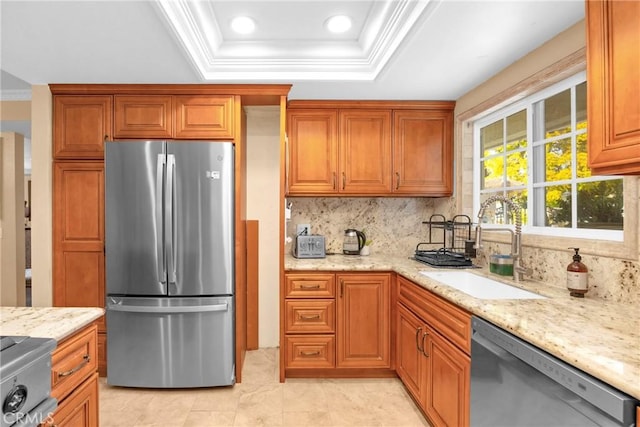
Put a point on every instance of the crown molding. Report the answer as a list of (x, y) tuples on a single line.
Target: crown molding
[(196, 29)]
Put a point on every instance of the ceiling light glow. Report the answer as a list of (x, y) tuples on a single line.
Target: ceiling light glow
[(338, 24), (243, 25)]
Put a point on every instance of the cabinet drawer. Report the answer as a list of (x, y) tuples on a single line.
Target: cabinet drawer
[(310, 285), (451, 321), (74, 360), (311, 316), (310, 351)]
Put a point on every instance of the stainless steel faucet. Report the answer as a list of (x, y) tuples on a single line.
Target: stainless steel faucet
[(516, 237)]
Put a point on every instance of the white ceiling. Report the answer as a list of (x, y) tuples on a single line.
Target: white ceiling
[(397, 49)]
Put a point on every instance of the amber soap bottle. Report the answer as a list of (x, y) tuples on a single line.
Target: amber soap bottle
[(577, 276)]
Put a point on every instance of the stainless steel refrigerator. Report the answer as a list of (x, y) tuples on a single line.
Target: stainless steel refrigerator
[(170, 263)]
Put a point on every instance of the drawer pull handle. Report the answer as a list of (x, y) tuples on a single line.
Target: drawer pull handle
[(85, 359), (316, 286), (417, 339), (309, 353), (312, 317)]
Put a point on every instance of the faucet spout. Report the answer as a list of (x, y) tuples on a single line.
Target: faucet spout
[(516, 242)]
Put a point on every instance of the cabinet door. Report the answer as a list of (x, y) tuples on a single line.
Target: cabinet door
[(312, 151), (363, 329), (143, 116), (448, 383), (423, 152), (81, 124), (411, 363), (78, 235), (613, 84), (203, 117), (365, 151), (80, 409)]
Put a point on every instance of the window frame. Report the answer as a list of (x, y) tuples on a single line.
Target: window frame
[(529, 103)]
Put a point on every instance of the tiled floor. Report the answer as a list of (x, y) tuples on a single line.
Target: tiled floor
[(261, 400)]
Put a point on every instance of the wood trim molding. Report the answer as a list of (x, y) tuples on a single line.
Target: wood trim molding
[(558, 71), (365, 104), (171, 89), (253, 239)]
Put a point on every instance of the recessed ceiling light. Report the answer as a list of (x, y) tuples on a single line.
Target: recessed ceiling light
[(338, 23), (243, 25)]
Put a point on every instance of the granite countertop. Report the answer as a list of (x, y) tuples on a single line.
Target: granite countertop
[(46, 322), (597, 336)]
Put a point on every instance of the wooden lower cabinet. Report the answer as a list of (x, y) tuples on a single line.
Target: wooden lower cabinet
[(364, 319), (410, 361), (336, 324), (435, 371), (80, 409), (74, 380), (448, 382)]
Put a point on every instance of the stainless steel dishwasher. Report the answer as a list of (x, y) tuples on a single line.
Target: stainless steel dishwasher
[(514, 384)]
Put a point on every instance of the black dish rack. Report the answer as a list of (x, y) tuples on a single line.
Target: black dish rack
[(453, 238)]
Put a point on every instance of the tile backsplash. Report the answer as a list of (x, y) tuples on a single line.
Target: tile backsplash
[(395, 227), (393, 224), (609, 278)]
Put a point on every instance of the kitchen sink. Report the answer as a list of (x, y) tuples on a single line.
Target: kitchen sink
[(478, 286)]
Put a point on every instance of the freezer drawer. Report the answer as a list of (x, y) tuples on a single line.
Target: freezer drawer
[(170, 342)]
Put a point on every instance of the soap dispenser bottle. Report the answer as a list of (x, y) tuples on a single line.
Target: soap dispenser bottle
[(577, 276)]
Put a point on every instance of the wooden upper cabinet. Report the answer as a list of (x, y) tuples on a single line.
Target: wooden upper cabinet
[(370, 148), (140, 116), (423, 152), (365, 151), (174, 116), (81, 124), (203, 117), (613, 85), (312, 151)]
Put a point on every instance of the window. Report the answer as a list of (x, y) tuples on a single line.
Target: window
[(535, 153)]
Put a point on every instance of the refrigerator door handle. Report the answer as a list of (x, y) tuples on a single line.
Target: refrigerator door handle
[(170, 218), (160, 258), (165, 310)]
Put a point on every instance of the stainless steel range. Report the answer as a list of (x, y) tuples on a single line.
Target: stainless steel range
[(25, 380)]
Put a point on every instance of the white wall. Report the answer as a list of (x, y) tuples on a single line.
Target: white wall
[(41, 196), (12, 260), (263, 191)]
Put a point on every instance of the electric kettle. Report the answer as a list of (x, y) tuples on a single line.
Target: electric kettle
[(353, 241)]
